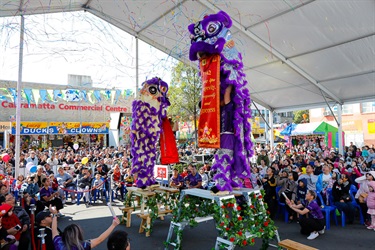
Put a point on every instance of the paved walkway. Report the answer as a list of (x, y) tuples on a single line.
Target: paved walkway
[(95, 219)]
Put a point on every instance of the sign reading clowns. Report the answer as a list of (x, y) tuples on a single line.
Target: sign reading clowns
[(43, 128)]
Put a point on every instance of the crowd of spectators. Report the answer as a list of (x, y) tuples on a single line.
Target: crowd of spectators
[(287, 175)]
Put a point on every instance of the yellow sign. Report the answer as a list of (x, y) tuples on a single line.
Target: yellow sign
[(371, 126)]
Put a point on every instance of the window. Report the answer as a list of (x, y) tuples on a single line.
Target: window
[(347, 109), (368, 107)]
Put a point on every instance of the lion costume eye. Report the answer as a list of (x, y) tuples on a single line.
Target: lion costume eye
[(212, 28), (153, 90), (197, 29)]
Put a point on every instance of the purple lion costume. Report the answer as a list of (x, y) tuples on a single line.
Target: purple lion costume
[(232, 161), (147, 114)]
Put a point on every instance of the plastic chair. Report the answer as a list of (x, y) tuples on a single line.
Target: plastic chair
[(343, 218), (328, 210), (353, 190), (281, 206)]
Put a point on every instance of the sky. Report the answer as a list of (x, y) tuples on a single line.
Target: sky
[(77, 43)]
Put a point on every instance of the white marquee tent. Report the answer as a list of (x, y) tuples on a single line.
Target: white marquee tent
[(297, 53)]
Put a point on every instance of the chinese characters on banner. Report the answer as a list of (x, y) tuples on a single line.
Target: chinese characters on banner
[(209, 119)]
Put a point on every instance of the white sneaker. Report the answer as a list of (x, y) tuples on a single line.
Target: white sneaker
[(74, 201), (313, 235), (322, 231)]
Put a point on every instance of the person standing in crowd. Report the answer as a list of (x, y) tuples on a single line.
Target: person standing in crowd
[(363, 192), (314, 224), (118, 240), (269, 185)]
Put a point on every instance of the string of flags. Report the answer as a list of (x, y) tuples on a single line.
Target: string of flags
[(70, 95)]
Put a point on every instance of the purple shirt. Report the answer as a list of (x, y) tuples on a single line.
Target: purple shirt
[(315, 210), (45, 192), (177, 180), (193, 180), (59, 244)]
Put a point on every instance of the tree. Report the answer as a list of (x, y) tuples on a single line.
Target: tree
[(185, 93), (301, 116)]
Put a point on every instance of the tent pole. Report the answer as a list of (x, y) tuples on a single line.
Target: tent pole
[(136, 68), (18, 104), (339, 137), (260, 114), (266, 127), (270, 120), (330, 109)]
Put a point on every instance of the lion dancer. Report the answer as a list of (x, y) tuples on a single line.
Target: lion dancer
[(211, 41), (150, 126)]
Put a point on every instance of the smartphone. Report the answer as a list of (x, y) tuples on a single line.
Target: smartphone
[(286, 197), (17, 227)]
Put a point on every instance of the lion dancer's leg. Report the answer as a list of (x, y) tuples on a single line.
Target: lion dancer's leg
[(144, 150), (224, 158), (242, 145)]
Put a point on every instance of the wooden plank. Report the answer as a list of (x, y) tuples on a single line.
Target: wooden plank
[(292, 245)]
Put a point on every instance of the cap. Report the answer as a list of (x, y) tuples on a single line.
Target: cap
[(5, 209), (41, 216)]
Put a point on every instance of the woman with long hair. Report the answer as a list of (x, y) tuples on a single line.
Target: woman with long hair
[(72, 236)]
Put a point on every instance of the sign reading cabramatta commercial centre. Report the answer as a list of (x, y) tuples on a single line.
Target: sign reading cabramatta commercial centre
[(59, 103)]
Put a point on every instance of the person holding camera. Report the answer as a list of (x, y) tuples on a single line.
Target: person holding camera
[(24, 218), (10, 221)]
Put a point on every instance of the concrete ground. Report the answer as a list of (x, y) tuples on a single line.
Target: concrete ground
[(95, 219)]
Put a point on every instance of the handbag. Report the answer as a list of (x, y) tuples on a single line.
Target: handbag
[(362, 197)]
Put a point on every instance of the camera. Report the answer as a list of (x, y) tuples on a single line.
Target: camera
[(17, 227)]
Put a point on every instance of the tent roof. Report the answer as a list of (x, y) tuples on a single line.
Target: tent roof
[(295, 52), (313, 128)]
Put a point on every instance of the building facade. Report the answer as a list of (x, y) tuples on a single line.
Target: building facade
[(55, 115), (358, 121)]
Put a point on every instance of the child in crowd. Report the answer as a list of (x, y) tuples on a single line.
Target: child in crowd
[(301, 191), (371, 204), (98, 184)]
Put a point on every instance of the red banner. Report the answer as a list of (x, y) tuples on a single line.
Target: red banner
[(209, 119)]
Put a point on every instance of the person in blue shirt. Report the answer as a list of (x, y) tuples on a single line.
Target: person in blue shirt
[(193, 180)]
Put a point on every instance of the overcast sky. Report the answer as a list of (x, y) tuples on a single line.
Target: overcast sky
[(77, 43)]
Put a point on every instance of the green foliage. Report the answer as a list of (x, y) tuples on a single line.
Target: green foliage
[(184, 92), (299, 116), (238, 223)]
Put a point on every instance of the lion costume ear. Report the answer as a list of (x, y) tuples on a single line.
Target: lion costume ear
[(225, 19)]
